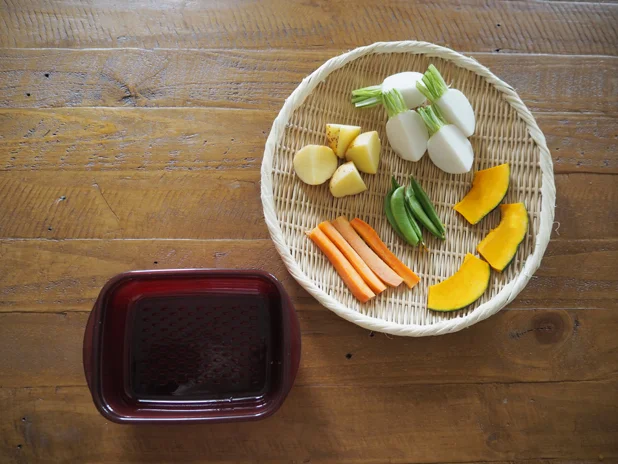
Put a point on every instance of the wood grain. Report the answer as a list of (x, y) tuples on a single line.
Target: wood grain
[(261, 79), (213, 205), (470, 25), (513, 346), (200, 139), (52, 276), (132, 204), (471, 423)]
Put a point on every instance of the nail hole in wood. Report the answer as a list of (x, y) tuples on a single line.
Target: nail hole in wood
[(348, 356)]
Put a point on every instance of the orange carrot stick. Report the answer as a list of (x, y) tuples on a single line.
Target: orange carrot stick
[(356, 261), (381, 269), (355, 282), (377, 245)]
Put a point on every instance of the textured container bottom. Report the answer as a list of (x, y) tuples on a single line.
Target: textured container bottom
[(200, 348)]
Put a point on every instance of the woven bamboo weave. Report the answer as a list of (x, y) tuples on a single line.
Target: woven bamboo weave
[(506, 132)]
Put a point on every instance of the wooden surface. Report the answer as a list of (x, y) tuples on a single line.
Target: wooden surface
[(131, 136)]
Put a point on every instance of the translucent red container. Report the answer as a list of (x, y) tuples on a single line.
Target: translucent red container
[(196, 345)]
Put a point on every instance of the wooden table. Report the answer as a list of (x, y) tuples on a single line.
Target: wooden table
[(131, 136)]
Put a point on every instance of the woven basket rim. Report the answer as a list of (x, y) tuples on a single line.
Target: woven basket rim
[(548, 192)]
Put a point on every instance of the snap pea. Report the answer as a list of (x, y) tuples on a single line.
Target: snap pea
[(413, 223), (428, 207), (417, 211), (389, 213), (398, 207)]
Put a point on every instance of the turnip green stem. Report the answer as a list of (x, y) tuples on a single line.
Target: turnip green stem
[(371, 91), (433, 85), (366, 102), (394, 103), (367, 96), (432, 118)]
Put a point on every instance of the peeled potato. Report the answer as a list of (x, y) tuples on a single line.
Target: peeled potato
[(339, 137), (365, 152), (315, 164), (346, 181)]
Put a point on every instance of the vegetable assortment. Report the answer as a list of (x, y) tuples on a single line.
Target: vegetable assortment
[(424, 115)]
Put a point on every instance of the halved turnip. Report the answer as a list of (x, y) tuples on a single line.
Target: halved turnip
[(404, 82), (452, 103), (448, 147), (405, 129)]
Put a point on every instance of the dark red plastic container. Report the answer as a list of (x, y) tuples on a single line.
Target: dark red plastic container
[(195, 345)]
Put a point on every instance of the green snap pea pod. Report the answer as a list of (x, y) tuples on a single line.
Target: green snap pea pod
[(398, 206), (389, 213), (415, 227), (428, 207), (413, 223), (417, 211)]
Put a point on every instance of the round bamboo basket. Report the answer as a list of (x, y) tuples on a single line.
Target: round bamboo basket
[(506, 132)]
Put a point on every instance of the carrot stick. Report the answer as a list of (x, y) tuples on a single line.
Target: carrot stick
[(356, 261), (355, 282), (381, 269), (377, 245)]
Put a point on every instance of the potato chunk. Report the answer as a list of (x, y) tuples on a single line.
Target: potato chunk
[(346, 181), (339, 137), (365, 152), (315, 164)]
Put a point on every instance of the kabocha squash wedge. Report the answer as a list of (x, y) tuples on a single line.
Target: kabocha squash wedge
[(488, 189), (462, 288), (500, 245)]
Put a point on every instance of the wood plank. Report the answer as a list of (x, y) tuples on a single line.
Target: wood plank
[(513, 346), (49, 275), (260, 79), (213, 204), (470, 25), (131, 204), (104, 139), (368, 424), (199, 139)]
